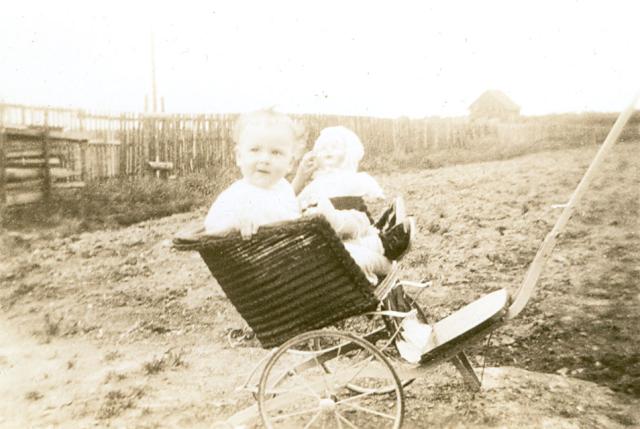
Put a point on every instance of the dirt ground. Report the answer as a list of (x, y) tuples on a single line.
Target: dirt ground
[(116, 329)]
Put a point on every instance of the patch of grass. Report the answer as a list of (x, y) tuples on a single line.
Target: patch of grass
[(154, 366), (174, 359), (51, 326), (22, 290), (114, 376), (112, 355), (33, 395), (433, 227), (116, 202), (117, 401), (622, 418), (383, 161), (170, 359)]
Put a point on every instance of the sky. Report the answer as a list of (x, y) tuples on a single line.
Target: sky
[(372, 58)]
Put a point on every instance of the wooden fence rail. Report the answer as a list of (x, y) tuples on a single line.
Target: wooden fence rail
[(37, 162), (130, 144)]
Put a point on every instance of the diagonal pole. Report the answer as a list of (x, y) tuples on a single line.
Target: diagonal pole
[(535, 269)]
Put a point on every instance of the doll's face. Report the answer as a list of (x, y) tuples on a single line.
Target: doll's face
[(330, 154)]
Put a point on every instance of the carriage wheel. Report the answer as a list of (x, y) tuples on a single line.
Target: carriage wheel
[(378, 388), (314, 392), (381, 390), (358, 325)]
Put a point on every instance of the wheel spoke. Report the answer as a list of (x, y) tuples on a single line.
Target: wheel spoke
[(298, 391), (327, 391), (313, 419), (364, 365), (296, 413), (305, 384), (369, 410), (344, 419), (336, 357), (353, 398), (315, 345)]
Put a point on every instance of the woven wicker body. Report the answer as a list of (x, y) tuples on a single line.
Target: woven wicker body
[(289, 278)]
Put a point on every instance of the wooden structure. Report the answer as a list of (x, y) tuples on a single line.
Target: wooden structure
[(36, 161), (161, 169), (494, 105), (124, 144)]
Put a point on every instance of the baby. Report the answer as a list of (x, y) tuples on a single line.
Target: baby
[(333, 167), (267, 145)]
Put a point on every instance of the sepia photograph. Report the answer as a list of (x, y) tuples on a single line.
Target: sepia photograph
[(332, 215)]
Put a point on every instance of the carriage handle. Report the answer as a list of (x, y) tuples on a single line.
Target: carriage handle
[(525, 291)]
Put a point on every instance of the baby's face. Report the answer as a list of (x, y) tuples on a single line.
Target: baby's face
[(330, 154), (265, 154)]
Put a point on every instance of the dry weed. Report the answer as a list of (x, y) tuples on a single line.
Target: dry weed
[(33, 395), (116, 401), (170, 359)]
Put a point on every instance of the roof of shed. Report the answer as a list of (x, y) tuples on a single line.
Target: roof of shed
[(493, 96)]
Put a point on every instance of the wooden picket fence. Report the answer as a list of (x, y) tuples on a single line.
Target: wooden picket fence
[(135, 145)]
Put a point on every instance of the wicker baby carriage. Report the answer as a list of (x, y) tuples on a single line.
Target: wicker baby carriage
[(293, 279)]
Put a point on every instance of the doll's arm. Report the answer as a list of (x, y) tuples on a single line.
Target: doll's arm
[(370, 187), (305, 169)]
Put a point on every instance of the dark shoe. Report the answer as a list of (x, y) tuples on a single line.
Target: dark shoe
[(387, 219), (396, 239), (399, 300)]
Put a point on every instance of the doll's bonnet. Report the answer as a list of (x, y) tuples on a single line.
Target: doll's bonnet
[(353, 149)]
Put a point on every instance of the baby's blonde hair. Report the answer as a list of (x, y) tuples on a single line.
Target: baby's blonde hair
[(270, 118)]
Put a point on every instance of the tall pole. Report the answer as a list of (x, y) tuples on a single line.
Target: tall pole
[(3, 165), (154, 96), (154, 101)]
